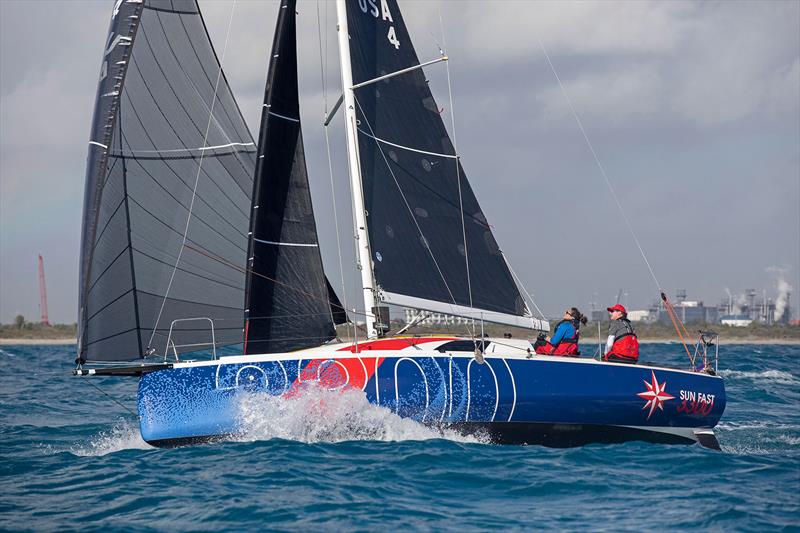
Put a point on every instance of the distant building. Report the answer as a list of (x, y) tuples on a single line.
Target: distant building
[(642, 315), (739, 321), (687, 311), (762, 310)]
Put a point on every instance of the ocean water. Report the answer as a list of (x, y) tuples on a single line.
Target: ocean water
[(72, 458)]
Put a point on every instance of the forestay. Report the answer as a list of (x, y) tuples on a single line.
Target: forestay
[(157, 150), (415, 187)]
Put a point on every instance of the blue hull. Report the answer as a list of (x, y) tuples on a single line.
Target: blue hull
[(543, 400)]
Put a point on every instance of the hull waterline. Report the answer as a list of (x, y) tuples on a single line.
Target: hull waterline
[(508, 399)]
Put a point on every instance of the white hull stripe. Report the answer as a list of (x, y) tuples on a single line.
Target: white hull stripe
[(103, 146), (287, 243)]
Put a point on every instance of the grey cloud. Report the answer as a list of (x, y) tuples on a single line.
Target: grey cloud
[(693, 108)]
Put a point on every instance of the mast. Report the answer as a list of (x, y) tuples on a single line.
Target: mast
[(354, 164)]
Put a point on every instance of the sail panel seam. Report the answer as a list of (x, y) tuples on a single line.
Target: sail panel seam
[(109, 304), (184, 207), (145, 240), (189, 79), (111, 337), (188, 271), (384, 141), (171, 169), (220, 75), (408, 206), (108, 223), (133, 154), (152, 97), (173, 11), (103, 273), (178, 232), (287, 243), (197, 179), (177, 175), (282, 116), (168, 82), (183, 300)]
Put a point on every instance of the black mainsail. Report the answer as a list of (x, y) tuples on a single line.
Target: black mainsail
[(287, 296), (167, 201), (415, 188)]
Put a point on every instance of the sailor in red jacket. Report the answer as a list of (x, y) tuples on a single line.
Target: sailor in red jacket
[(565, 336), (622, 345)]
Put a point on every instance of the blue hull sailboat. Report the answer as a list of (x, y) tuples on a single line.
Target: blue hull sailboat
[(196, 237)]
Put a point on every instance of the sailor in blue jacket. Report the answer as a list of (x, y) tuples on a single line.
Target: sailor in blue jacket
[(566, 335)]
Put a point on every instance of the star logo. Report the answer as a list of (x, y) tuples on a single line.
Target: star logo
[(654, 395)]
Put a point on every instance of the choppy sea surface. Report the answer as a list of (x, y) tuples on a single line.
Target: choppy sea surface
[(71, 458)]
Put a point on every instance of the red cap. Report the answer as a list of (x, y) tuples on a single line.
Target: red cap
[(618, 307)]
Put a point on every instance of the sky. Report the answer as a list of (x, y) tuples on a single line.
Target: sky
[(692, 108)]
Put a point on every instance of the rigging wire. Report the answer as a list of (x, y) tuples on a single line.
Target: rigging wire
[(197, 178), (220, 259), (110, 397), (323, 66), (410, 211), (522, 285), (600, 165), (458, 167), (675, 321)]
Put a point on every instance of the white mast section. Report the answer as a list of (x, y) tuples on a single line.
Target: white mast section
[(354, 163)]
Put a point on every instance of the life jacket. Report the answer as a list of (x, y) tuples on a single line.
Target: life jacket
[(626, 346), (567, 346)]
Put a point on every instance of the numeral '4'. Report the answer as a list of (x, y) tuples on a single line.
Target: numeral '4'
[(393, 38)]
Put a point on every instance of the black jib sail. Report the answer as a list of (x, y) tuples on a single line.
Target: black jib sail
[(287, 294), (415, 187), (169, 178)]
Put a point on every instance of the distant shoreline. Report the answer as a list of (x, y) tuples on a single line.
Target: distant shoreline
[(722, 341), (585, 342), (28, 342)]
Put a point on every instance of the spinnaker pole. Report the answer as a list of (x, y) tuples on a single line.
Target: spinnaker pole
[(354, 164)]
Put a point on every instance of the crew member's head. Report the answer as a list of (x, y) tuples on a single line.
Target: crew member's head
[(617, 311), (575, 315)]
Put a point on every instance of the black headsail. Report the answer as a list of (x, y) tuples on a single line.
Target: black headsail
[(167, 139), (287, 305), (414, 185)]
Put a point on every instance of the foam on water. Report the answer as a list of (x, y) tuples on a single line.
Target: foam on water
[(124, 435), (754, 424), (320, 415), (777, 376), (74, 459)]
